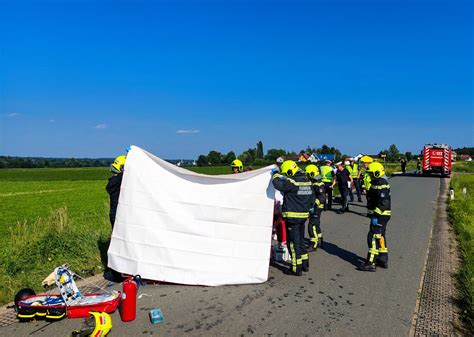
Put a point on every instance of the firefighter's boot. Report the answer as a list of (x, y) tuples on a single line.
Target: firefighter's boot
[(366, 266)]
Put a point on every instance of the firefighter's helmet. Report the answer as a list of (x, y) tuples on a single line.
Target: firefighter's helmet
[(367, 159), (289, 168), (118, 165), (312, 170), (376, 169), (237, 164)]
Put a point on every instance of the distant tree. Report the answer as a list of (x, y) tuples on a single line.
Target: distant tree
[(273, 154), (408, 156), (259, 151), (214, 157), (393, 153), (228, 158), (246, 158), (202, 161)]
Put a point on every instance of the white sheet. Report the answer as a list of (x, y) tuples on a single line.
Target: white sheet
[(178, 226)]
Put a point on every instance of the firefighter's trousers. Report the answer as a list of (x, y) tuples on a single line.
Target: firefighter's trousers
[(376, 240), (314, 227), (295, 241)]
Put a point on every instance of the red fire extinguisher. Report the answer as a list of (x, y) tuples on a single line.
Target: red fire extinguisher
[(129, 298)]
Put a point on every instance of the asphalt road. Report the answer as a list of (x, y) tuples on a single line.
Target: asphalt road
[(333, 299)]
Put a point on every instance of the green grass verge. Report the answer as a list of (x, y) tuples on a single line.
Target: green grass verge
[(463, 166), (461, 211)]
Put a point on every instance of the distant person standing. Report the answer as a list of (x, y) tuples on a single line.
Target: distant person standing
[(344, 183), (353, 169), (113, 186), (418, 165), (327, 175), (403, 164)]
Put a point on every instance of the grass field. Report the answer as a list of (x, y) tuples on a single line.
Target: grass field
[(464, 166), (53, 216), (461, 211)]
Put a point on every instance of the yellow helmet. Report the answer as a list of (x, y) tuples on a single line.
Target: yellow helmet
[(376, 169), (238, 164), (312, 170), (118, 164), (366, 159), (289, 168), (99, 324)]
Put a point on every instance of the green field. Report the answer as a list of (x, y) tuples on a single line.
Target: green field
[(461, 211), (463, 166), (53, 216)]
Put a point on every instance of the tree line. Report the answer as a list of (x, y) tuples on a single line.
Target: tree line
[(36, 162), (256, 156)]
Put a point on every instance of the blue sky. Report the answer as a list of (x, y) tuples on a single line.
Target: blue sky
[(179, 78)]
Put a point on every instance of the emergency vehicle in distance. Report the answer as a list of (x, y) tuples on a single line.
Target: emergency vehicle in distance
[(437, 158)]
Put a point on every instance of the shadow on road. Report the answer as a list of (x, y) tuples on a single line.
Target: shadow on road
[(345, 255)]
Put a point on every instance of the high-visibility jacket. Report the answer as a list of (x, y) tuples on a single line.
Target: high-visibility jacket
[(319, 190), (378, 198), (298, 195), (353, 170), (366, 181), (326, 173)]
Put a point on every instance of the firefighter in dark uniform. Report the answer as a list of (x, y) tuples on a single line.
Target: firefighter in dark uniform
[(113, 186), (327, 173), (298, 199), (379, 203), (314, 225)]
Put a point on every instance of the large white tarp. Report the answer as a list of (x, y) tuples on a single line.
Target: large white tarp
[(178, 226)]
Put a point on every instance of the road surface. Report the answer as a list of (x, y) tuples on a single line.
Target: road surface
[(333, 299)]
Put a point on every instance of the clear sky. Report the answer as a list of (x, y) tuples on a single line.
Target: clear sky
[(179, 78)]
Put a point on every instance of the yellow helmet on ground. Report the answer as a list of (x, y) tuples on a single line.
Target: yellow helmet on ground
[(376, 169), (118, 164), (312, 170), (237, 164), (366, 159), (99, 324), (289, 168)]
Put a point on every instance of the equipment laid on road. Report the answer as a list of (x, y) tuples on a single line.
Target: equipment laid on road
[(98, 324), (156, 316), (129, 298), (437, 159), (71, 302)]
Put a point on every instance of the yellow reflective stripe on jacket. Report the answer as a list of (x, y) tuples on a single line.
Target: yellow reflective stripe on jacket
[(299, 183), (379, 211), (296, 215), (326, 175), (318, 183), (380, 187)]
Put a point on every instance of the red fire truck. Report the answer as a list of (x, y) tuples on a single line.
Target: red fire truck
[(437, 158)]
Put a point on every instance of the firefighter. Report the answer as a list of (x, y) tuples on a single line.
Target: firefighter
[(327, 173), (353, 169), (314, 225), (298, 198), (379, 202), (113, 186), (418, 165), (237, 166)]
